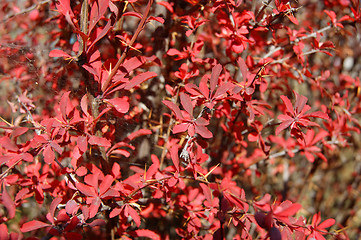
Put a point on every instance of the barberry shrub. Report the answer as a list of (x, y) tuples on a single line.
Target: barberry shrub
[(197, 119)]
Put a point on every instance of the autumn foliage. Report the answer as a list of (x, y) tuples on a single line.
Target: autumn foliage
[(197, 119)]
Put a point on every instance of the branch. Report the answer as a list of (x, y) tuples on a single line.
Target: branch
[(26, 10), (131, 43)]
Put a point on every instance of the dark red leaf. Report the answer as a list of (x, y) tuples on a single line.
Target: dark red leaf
[(275, 234)]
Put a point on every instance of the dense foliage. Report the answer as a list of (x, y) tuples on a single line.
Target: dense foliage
[(197, 119)]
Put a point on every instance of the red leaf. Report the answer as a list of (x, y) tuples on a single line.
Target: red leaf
[(186, 103), (134, 214), (8, 203), (71, 207), (64, 104), (180, 128), (283, 126), (81, 171), (94, 140), (4, 232), (19, 131), (139, 79), (300, 102), (97, 11), (223, 89), (115, 212), (133, 14), (59, 53), (288, 104), (203, 131), (120, 104), (318, 114), (94, 207), (144, 233), (174, 155), (8, 144), (86, 190), (82, 143), (327, 223), (174, 108), (106, 183), (49, 155), (102, 33), (243, 67), (54, 204), (84, 104), (97, 222), (33, 225), (153, 169), (216, 71), (139, 133), (63, 7), (158, 19), (207, 192)]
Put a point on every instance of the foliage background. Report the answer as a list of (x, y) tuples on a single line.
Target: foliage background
[(32, 85)]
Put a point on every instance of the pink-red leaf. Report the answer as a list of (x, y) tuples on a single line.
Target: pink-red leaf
[(207, 192), (86, 190), (174, 156), (174, 108), (327, 223), (180, 128), (59, 53), (8, 203), (139, 133), (120, 104), (318, 114), (203, 131), (33, 225), (106, 183), (216, 71), (144, 233), (103, 142), (134, 214), (186, 103), (288, 104), (49, 155), (139, 79)]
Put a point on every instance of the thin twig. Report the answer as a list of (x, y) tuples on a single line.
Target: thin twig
[(26, 10), (131, 43)]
